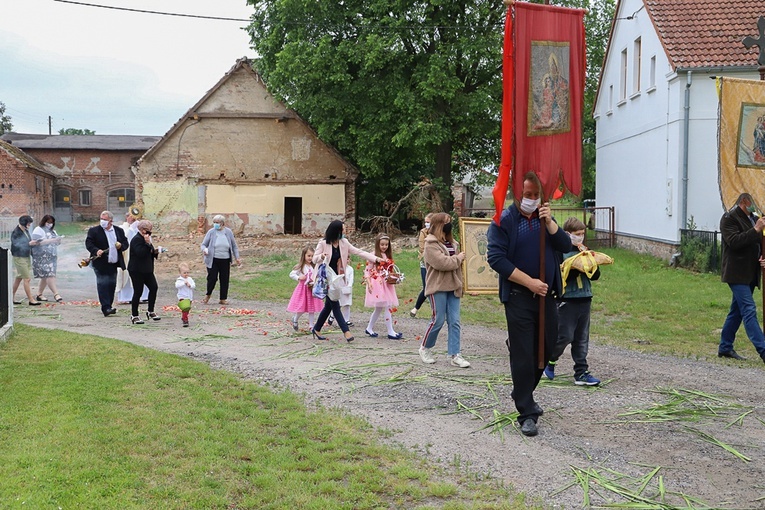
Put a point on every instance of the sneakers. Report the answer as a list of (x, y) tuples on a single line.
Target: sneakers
[(413, 312), (426, 356), (458, 361), (185, 323), (586, 379), (550, 371)]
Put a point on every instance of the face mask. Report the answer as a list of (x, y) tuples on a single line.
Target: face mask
[(447, 228), (752, 209), (342, 235), (216, 226), (528, 205), (576, 240), (104, 223), (49, 226), (427, 224)]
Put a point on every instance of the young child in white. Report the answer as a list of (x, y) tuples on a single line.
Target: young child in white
[(380, 294), (346, 295), (302, 300), (185, 285)]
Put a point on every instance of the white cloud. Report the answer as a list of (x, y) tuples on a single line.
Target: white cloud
[(114, 72)]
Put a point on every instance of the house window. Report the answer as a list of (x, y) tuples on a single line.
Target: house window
[(623, 77), (61, 198), (610, 98), (38, 184), (636, 65), (652, 73), (85, 198)]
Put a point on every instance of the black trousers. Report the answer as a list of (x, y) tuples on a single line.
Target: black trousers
[(139, 280), (522, 315), (334, 307), (106, 285), (221, 269)]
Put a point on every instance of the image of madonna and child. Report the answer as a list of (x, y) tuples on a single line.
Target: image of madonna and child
[(380, 294), (334, 251)]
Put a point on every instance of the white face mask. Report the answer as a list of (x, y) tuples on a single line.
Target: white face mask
[(528, 205), (104, 223), (576, 240), (427, 224), (49, 226)]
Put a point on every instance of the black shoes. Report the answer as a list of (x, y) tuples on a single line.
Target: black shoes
[(529, 427), (730, 354), (110, 311), (538, 409)]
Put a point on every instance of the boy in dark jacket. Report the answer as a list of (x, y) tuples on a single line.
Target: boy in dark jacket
[(574, 312)]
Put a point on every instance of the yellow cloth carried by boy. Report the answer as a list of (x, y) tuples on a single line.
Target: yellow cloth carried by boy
[(587, 262)]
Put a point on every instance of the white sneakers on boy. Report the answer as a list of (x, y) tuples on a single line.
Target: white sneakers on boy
[(425, 355), (458, 361)]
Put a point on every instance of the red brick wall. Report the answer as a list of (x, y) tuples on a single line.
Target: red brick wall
[(94, 170), (23, 190)]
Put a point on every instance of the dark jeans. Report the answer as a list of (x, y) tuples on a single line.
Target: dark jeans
[(522, 315), (106, 285), (421, 297), (574, 329), (334, 307), (221, 269), (139, 280), (742, 309)]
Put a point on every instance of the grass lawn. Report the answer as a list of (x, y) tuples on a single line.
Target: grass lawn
[(89, 422)]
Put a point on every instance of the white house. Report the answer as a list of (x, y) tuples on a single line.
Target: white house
[(656, 114)]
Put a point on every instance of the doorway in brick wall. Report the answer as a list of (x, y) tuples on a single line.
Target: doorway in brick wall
[(118, 201), (293, 215)]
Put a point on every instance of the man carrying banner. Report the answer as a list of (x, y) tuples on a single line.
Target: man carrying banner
[(514, 253), (741, 262)]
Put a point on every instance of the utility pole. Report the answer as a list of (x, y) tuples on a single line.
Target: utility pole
[(50, 125)]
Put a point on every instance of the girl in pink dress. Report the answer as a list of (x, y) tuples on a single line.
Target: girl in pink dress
[(302, 300), (380, 294)]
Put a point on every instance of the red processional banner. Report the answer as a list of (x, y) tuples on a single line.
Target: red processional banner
[(543, 95)]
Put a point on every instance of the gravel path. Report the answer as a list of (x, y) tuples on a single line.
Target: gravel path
[(439, 411)]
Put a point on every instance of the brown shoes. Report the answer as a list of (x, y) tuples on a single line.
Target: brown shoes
[(206, 299), (223, 301)]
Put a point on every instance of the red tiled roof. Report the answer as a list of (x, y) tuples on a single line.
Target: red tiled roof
[(703, 33)]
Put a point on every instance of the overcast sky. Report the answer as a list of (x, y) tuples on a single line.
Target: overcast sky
[(114, 72)]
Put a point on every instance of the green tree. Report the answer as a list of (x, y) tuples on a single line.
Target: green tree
[(6, 125), (403, 89), (75, 131)]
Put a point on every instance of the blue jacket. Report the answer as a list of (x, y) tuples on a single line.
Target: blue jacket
[(501, 251)]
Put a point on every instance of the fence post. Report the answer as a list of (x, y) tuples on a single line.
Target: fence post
[(6, 315)]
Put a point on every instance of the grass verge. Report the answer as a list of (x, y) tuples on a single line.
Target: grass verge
[(89, 422)]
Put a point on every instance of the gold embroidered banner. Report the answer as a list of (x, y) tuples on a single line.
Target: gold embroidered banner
[(741, 135)]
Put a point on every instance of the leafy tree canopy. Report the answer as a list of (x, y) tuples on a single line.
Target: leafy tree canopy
[(6, 125), (76, 131), (403, 89)]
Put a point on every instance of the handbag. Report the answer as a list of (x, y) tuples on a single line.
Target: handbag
[(320, 284), (184, 305), (335, 284)]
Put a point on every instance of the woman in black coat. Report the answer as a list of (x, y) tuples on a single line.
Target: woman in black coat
[(141, 270)]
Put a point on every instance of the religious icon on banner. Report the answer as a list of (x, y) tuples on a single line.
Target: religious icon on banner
[(549, 110), (751, 136)]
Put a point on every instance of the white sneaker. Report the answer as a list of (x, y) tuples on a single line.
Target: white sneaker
[(425, 355), (458, 361)]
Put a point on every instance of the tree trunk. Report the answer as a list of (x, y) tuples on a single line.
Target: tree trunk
[(444, 173)]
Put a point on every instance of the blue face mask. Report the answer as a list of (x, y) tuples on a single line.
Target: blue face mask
[(216, 226)]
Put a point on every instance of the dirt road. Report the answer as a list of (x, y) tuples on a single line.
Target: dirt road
[(439, 411)]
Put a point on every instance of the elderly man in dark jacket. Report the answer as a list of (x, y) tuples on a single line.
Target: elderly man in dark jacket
[(741, 262)]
